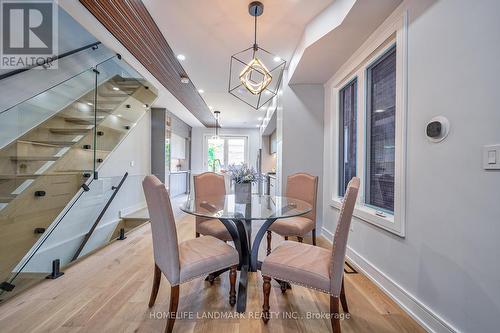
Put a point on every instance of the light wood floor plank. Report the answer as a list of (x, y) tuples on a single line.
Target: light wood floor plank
[(109, 292)]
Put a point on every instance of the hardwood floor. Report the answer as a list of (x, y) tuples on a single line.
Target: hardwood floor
[(109, 292)]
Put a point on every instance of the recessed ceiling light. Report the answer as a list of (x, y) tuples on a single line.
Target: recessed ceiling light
[(88, 103), (181, 57), (118, 115), (201, 91), (184, 79), (379, 111), (277, 59), (260, 118), (116, 88), (145, 105)]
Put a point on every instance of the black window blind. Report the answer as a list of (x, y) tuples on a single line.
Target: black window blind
[(381, 126)]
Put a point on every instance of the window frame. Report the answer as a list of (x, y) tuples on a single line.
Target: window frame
[(226, 148), (341, 136), (393, 32)]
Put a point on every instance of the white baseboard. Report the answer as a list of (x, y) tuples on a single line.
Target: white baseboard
[(132, 209), (411, 305)]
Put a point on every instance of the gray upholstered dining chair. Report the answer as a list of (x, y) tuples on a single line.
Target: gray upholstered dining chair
[(210, 184), (185, 261), (304, 187), (312, 266)]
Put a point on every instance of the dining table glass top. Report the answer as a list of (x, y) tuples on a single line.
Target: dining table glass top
[(258, 207)]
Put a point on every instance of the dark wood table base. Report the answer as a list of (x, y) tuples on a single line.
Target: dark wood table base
[(241, 233)]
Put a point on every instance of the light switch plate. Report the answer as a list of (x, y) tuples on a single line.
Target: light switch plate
[(491, 157)]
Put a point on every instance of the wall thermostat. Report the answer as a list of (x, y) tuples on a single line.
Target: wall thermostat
[(437, 129)]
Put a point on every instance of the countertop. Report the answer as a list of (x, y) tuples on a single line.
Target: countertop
[(270, 175)]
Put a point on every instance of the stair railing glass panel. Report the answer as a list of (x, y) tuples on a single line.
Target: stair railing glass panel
[(50, 187)]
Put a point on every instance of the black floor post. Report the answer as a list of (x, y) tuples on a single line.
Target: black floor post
[(122, 234), (56, 270)]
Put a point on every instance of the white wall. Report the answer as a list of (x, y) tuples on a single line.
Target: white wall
[(448, 261), (198, 137), (300, 124), (268, 159)]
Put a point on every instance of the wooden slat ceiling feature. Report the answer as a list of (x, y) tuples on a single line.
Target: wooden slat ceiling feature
[(130, 23)]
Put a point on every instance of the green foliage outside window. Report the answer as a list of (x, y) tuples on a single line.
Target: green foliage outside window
[(167, 154), (211, 157)]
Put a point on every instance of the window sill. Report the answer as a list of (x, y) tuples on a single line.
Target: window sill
[(370, 215)]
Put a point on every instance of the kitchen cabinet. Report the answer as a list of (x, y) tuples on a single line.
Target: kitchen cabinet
[(178, 147), (178, 183), (272, 143), (269, 184), (170, 140), (272, 186)]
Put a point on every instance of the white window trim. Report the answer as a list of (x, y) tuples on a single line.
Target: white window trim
[(205, 147), (392, 31)]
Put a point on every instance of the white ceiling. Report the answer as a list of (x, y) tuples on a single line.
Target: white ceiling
[(209, 32), (331, 50)]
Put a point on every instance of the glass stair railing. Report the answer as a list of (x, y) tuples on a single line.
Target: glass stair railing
[(51, 149)]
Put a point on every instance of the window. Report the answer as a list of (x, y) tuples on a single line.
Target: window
[(222, 152), (380, 132), (347, 134), (369, 132), (236, 151), (215, 154)]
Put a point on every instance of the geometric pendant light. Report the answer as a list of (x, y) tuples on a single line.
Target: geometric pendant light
[(255, 74)]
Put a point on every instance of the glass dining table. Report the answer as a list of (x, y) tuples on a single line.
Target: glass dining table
[(240, 216)]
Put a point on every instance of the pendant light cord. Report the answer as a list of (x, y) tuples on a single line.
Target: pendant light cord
[(255, 28), (255, 47)]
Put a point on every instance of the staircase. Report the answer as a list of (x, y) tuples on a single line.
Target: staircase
[(44, 168)]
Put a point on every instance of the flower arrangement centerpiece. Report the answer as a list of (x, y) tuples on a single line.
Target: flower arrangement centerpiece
[(243, 176)]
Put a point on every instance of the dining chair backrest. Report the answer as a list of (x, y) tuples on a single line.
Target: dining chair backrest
[(340, 236), (164, 232), (303, 186), (209, 184)]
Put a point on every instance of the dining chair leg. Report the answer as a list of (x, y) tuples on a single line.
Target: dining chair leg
[(269, 237), (334, 313), (314, 236), (266, 287), (343, 299), (156, 286), (283, 287), (172, 310), (232, 282), (197, 234), (286, 237), (300, 239)]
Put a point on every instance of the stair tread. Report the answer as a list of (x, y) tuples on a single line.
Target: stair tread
[(34, 158), (69, 130), (141, 214), (54, 142), (39, 143), (35, 175), (82, 120), (97, 150), (7, 198)]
